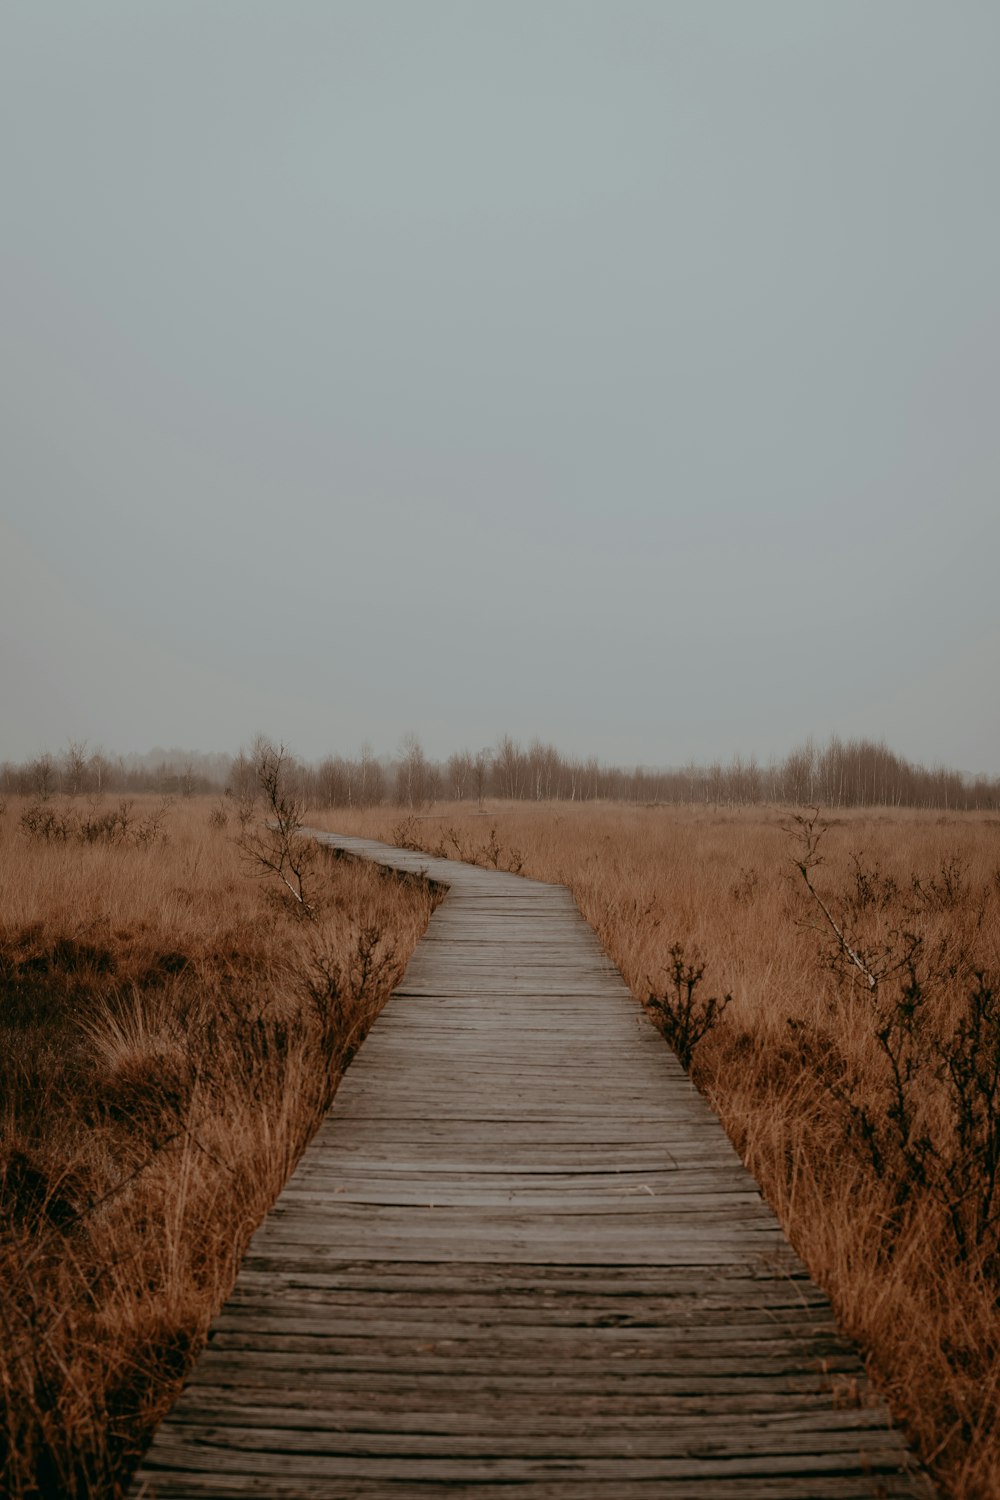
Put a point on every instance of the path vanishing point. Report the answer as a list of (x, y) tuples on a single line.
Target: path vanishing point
[(521, 1256)]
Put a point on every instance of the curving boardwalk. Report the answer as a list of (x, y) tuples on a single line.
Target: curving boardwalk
[(521, 1256)]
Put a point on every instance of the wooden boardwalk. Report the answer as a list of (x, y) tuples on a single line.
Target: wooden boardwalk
[(521, 1256)]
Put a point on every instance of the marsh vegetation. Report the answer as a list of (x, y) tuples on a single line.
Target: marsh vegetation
[(171, 1033), (178, 1006), (833, 982)]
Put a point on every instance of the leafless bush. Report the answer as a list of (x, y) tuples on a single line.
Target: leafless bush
[(932, 1126), (929, 1124), (490, 855), (40, 821), (873, 961), (55, 823), (345, 984), (404, 835), (682, 1014), (871, 888), (218, 818), (269, 810), (502, 857), (948, 889)]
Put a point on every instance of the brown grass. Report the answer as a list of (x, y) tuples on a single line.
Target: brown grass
[(795, 1064), (170, 1035)]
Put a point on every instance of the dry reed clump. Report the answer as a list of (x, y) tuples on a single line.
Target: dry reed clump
[(170, 1035), (868, 1111)]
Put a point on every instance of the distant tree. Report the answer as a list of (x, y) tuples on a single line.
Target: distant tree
[(460, 774), (544, 768), (482, 768), (75, 767), (843, 773), (99, 769), (241, 785), (413, 774), (509, 768), (334, 782), (371, 778), (42, 777), (591, 779)]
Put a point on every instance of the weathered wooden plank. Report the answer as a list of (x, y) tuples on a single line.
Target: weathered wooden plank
[(191, 1485), (521, 1254), (463, 1185), (669, 1422), (298, 1314), (539, 1293), (870, 1454), (239, 1370), (320, 1432)]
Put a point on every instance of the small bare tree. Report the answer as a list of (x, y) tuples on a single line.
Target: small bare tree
[(871, 965), (76, 767), (270, 817), (413, 778), (482, 766), (99, 769), (42, 776), (459, 774), (371, 778)]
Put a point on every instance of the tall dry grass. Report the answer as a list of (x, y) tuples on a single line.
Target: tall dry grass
[(170, 1035), (796, 1067)]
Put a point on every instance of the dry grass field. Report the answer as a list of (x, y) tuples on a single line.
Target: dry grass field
[(172, 1030), (170, 1035), (857, 1067)]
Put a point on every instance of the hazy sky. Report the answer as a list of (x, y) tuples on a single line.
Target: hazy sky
[(622, 373)]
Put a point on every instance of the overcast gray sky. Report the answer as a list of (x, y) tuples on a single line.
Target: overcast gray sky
[(623, 373)]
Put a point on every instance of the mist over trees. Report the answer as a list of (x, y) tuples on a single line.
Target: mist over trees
[(842, 773), (80, 770)]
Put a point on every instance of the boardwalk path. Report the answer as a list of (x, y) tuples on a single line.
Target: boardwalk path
[(521, 1255)]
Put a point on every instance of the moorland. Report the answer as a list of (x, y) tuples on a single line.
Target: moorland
[(178, 1003), (844, 969)]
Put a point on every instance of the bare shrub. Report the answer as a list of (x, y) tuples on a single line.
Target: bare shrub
[(490, 855), (874, 962), (683, 1015), (346, 983), (218, 818), (57, 823), (270, 817), (40, 821), (404, 835), (930, 1125)]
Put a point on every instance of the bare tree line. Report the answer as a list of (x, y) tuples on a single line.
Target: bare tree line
[(80, 770), (841, 773)]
